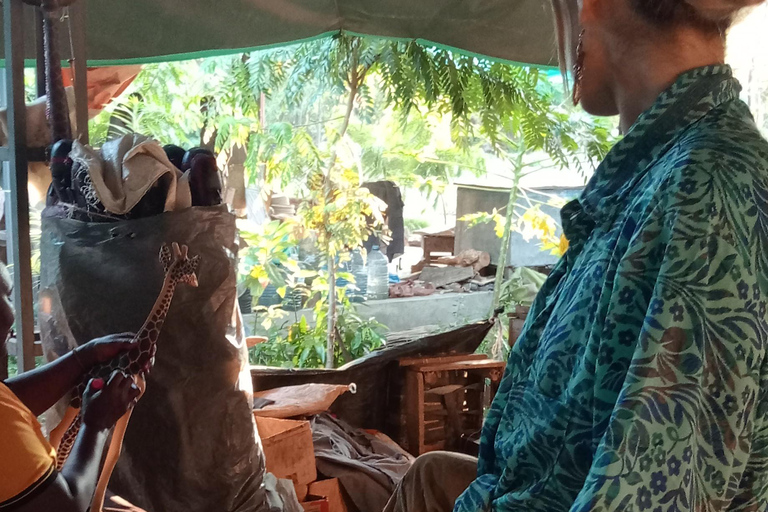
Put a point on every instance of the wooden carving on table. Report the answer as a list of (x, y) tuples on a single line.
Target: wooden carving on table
[(179, 269)]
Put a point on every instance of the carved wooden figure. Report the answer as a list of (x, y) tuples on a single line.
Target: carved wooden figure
[(179, 268)]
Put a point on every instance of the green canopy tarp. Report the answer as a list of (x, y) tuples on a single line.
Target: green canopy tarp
[(142, 31)]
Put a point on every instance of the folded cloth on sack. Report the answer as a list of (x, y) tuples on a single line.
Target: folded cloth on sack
[(367, 467), (125, 169)]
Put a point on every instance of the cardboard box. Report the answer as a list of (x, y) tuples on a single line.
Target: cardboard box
[(302, 490), (288, 449), (315, 504), (332, 491)]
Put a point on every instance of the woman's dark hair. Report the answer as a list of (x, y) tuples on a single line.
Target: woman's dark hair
[(708, 15)]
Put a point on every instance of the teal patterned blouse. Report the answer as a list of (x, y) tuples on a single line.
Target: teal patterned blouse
[(640, 382)]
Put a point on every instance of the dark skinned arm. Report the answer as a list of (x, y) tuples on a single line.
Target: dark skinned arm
[(41, 388), (73, 489)]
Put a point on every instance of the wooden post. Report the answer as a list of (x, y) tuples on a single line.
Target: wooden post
[(77, 15), (15, 179)]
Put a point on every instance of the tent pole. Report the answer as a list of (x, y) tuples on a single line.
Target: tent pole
[(17, 220), (80, 73)]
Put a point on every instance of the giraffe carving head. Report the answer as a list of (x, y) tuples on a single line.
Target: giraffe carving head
[(178, 265)]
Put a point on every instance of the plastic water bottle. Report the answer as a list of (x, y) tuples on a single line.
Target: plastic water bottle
[(343, 267), (358, 269), (378, 275)]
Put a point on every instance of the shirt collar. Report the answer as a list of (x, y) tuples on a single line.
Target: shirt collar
[(694, 94)]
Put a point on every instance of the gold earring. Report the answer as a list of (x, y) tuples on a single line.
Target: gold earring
[(578, 70)]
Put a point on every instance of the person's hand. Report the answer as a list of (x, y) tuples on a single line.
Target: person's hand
[(104, 404), (104, 349)]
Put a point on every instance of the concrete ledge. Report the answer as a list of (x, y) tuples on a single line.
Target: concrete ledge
[(449, 309)]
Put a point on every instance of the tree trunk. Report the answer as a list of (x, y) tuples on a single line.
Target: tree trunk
[(331, 342), (235, 180), (354, 86), (504, 252)]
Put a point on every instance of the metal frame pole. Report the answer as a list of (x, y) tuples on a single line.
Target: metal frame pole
[(17, 221)]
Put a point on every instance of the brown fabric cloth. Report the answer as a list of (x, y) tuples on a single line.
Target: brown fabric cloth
[(367, 468), (388, 192), (433, 483)]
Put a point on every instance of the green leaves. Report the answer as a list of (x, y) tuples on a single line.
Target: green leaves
[(267, 259), (303, 344)]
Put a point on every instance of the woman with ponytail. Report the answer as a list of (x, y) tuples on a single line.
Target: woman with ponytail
[(640, 381)]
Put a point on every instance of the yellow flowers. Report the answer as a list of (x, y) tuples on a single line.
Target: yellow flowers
[(536, 224), (532, 224)]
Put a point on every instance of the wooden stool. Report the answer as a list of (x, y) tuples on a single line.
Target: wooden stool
[(445, 399)]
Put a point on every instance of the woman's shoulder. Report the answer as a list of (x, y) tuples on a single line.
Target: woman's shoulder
[(718, 164), (726, 142), (723, 154)]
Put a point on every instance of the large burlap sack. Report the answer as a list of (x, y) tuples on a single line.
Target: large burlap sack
[(191, 444)]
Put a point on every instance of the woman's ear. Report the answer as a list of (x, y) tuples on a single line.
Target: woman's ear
[(595, 11), (586, 13)]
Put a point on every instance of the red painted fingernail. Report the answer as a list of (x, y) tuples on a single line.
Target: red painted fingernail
[(97, 384)]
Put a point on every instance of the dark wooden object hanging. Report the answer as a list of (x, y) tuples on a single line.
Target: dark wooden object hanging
[(56, 97)]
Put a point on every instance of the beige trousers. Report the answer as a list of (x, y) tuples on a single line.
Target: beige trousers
[(433, 483)]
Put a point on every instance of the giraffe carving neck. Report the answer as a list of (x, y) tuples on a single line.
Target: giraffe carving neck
[(150, 331)]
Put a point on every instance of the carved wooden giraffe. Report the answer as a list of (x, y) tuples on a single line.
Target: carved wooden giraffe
[(179, 268)]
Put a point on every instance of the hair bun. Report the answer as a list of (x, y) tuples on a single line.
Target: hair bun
[(720, 10)]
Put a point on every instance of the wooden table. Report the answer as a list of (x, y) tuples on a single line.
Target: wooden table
[(434, 244), (440, 243)]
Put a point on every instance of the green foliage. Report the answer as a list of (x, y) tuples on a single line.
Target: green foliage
[(267, 259), (491, 103), (499, 221), (412, 225), (336, 213), (164, 101), (339, 111), (283, 152), (521, 288), (337, 210), (385, 84), (304, 345), (416, 154), (13, 367)]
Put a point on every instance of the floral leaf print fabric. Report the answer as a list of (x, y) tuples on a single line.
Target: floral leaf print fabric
[(640, 382)]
